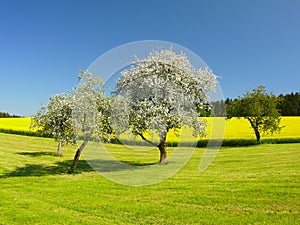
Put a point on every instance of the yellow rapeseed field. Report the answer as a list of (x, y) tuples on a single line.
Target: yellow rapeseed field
[(20, 124), (240, 128), (234, 128)]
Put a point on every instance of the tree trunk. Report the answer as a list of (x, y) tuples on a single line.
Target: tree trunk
[(162, 149), (78, 153), (255, 128), (257, 134), (59, 148)]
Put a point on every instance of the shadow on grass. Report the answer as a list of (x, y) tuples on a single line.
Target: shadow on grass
[(60, 168), (37, 154), (44, 170), (138, 163), (104, 166)]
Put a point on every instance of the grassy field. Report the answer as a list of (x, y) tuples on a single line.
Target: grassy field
[(244, 185), (234, 128)]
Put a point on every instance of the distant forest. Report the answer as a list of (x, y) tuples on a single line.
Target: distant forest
[(7, 115), (288, 105)]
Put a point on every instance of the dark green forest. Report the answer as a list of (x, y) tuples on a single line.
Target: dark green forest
[(7, 115), (287, 105)]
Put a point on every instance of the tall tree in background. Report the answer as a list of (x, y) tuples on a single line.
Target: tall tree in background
[(259, 108), (161, 92)]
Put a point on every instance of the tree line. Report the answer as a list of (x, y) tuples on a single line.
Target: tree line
[(7, 115), (287, 105)]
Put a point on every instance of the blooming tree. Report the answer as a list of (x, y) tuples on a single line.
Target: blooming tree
[(55, 119), (91, 112), (75, 115), (161, 92)]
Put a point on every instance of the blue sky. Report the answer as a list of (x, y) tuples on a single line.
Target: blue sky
[(43, 44)]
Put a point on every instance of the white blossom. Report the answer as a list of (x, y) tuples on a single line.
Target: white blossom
[(55, 118), (163, 91), (92, 110), (83, 112)]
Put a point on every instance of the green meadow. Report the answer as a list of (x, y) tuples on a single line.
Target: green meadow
[(257, 184), (244, 185)]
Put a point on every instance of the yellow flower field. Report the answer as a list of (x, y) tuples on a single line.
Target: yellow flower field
[(235, 128), (240, 128), (20, 124)]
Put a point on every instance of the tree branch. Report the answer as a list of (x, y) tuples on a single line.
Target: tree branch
[(145, 139)]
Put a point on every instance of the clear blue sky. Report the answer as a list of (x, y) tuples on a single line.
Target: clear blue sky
[(43, 44)]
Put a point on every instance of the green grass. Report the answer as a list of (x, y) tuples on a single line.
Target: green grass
[(244, 185)]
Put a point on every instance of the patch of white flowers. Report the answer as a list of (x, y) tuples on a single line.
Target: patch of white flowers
[(83, 112), (91, 107), (161, 92), (55, 118)]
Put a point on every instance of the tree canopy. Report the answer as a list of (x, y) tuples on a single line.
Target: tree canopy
[(161, 92)]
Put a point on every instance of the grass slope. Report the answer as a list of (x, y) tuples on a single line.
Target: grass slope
[(244, 185)]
